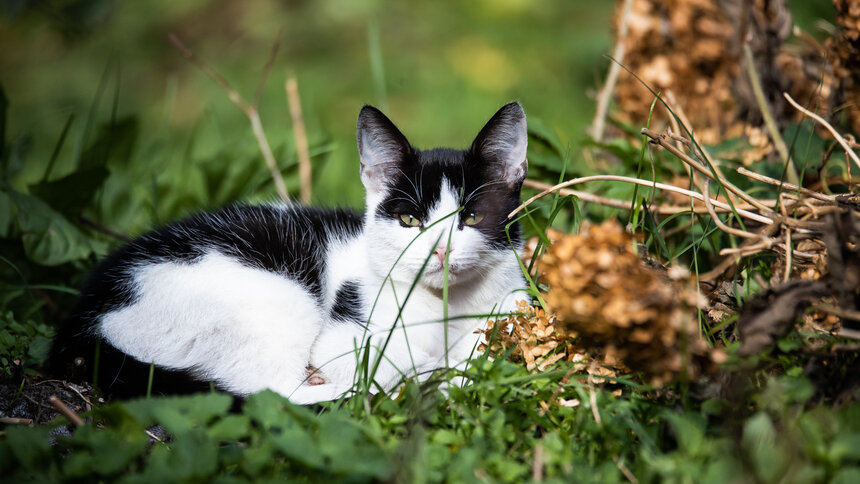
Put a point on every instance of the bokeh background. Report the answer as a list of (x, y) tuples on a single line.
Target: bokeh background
[(107, 123), (438, 69)]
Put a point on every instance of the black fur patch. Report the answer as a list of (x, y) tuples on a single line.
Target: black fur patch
[(347, 304)]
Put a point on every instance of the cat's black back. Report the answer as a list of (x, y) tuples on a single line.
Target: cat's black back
[(288, 240)]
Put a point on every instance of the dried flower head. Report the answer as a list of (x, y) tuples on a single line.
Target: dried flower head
[(623, 309)]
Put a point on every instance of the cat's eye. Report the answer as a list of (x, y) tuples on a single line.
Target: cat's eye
[(473, 219), (409, 220)]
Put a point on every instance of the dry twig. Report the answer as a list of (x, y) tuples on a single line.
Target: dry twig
[(599, 123), (251, 111), (639, 181), (848, 151), (770, 123), (301, 137), (65, 410)]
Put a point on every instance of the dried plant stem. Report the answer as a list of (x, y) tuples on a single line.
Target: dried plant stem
[(625, 204), (538, 464), (15, 421), (592, 397), (301, 138), (599, 124), (250, 110), (677, 109), (662, 141), (789, 186), (842, 313), (65, 410), (770, 123), (787, 274), (638, 181), (268, 156), (725, 228), (848, 151)]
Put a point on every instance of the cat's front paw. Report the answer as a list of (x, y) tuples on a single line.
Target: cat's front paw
[(314, 376)]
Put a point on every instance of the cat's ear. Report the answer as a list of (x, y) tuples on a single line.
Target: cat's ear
[(502, 143), (381, 147)]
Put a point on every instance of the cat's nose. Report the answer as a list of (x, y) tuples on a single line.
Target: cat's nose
[(440, 253)]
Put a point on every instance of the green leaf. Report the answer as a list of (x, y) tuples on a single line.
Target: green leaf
[(72, 193), (270, 409), (30, 446), (690, 431), (760, 442), (298, 445), (231, 427), (182, 413), (49, 239), (848, 475), (188, 458)]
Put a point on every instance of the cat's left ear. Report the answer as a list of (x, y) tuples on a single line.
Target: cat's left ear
[(381, 148), (503, 142)]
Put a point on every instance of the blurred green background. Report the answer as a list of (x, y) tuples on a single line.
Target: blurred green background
[(438, 69)]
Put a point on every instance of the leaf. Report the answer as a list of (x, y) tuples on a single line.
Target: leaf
[(72, 193), (848, 475), (545, 148), (760, 443), (49, 238), (349, 450), (105, 451), (188, 458), (272, 410), (298, 445), (231, 427), (690, 431), (180, 414), (30, 446)]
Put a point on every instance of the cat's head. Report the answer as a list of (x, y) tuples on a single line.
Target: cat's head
[(439, 195)]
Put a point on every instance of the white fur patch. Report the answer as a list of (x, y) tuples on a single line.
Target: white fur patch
[(245, 328)]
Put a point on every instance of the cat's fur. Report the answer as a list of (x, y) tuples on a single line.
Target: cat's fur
[(249, 297)]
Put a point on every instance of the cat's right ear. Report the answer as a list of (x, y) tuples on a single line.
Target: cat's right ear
[(381, 148)]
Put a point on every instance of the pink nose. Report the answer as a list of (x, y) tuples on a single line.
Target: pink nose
[(440, 253)]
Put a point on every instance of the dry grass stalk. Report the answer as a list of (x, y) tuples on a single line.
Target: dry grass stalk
[(848, 151), (637, 181), (251, 111), (301, 137), (599, 124), (65, 410)]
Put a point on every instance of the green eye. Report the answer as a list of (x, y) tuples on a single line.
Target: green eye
[(473, 219), (409, 220)]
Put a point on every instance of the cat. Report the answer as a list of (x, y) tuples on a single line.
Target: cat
[(255, 297)]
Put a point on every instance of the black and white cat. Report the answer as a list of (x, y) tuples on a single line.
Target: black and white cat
[(250, 297)]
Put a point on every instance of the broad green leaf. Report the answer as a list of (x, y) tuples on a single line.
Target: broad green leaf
[(848, 475), (72, 193), (181, 413), (231, 427), (49, 238), (30, 446)]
